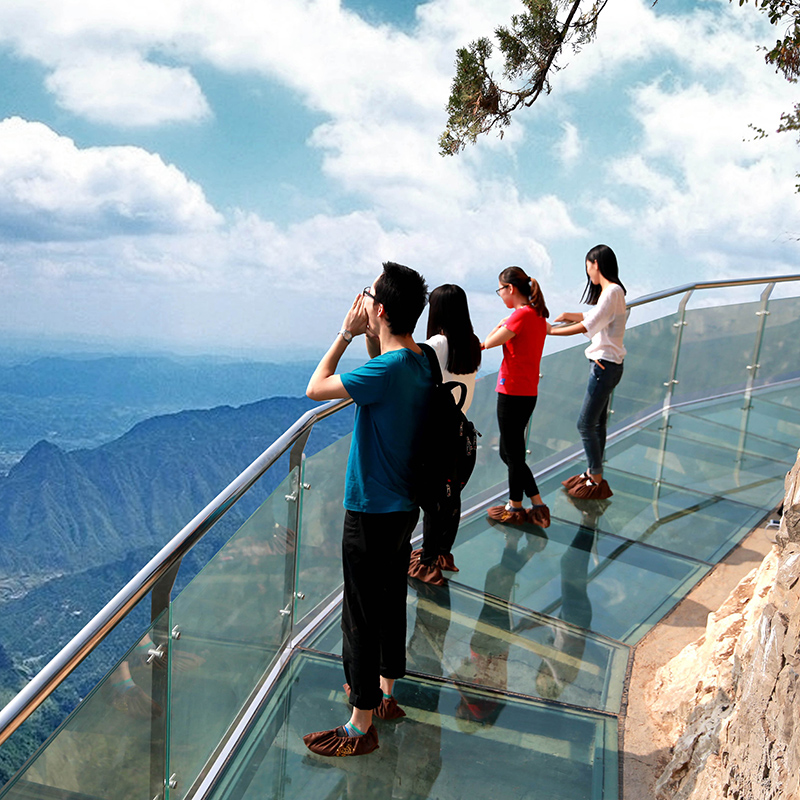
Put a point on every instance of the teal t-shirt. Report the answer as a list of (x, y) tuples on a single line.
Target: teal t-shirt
[(391, 394)]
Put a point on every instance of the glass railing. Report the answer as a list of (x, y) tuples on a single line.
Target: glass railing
[(114, 745), (165, 720)]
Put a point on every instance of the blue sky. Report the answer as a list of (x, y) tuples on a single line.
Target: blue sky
[(223, 175)]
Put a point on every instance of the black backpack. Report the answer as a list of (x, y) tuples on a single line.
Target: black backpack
[(447, 449)]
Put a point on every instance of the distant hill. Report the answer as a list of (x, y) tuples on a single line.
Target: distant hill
[(65, 512), (83, 402), (146, 380)]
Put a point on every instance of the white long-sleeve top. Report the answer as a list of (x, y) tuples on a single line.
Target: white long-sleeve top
[(605, 326)]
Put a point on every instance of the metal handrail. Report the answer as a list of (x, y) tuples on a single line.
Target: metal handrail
[(47, 680), (651, 298)]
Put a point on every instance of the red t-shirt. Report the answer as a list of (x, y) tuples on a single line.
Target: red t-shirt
[(522, 354)]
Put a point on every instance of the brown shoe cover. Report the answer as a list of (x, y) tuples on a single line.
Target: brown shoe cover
[(427, 573), (447, 563), (386, 709), (336, 742), (592, 491), (502, 514), (389, 709), (539, 515), (574, 480)]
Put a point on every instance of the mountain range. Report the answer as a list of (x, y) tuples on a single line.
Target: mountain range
[(64, 512)]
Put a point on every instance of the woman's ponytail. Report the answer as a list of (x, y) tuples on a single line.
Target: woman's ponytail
[(537, 299)]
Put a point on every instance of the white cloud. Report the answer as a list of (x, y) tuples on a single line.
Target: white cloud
[(710, 190), (51, 189), (569, 148), (128, 91)]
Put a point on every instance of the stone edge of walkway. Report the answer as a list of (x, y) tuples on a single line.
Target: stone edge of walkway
[(644, 753)]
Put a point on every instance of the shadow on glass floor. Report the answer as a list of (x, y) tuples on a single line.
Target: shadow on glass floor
[(518, 748)]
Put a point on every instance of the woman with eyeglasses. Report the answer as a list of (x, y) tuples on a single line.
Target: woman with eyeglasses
[(522, 335), (605, 326), (458, 351)]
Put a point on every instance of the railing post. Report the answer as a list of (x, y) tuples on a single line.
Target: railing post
[(296, 459), (679, 325), (159, 687), (665, 410), (752, 368)]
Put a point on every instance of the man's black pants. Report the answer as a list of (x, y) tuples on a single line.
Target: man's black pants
[(376, 549)]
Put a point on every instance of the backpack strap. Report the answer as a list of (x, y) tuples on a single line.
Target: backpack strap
[(433, 361), (436, 372)]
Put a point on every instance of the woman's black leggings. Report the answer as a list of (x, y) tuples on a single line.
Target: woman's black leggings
[(513, 413)]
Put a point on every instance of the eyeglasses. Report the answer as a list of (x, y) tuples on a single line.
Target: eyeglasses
[(368, 292), (504, 286)]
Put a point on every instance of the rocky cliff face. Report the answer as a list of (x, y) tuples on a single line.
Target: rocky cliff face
[(728, 700)]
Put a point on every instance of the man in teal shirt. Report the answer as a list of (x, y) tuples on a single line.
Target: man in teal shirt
[(391, 393)]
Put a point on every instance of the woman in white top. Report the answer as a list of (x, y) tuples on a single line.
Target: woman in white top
[(458, 349), (605, 326)]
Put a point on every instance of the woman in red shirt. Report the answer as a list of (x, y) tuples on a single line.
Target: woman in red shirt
[(522, 335)]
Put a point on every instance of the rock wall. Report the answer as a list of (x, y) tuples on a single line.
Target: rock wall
[(728, 700)]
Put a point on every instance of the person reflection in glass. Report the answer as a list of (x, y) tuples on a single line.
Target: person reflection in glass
[(556, 673), (487, 663)]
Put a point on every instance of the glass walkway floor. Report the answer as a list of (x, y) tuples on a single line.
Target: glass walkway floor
[(517, 668)]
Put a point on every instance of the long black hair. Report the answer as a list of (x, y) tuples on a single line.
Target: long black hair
[(609, 269), (448, 313), (528, 286)]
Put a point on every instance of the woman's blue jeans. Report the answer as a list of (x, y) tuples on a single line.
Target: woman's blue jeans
[(603, 378)]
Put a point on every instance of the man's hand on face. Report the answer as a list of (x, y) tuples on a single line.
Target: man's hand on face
[(356, 320)]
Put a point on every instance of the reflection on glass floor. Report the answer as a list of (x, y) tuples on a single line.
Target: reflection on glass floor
[(483, 639), (452, 744), (517, 668)]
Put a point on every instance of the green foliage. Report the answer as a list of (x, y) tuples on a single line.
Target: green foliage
[(529, 48), (468, 103)]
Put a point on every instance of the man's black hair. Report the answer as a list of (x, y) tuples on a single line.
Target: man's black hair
[(403, 293)]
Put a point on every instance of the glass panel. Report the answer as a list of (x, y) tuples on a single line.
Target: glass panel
[(611, 586), (694, 425), (468, 636), (647, 368), (233, 618), (781, 424), (103, 749), (666, 456), (699, 526), (561, 389), (716, 349), (455, 742), (784, 396), (319, 571), (778, 357)]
